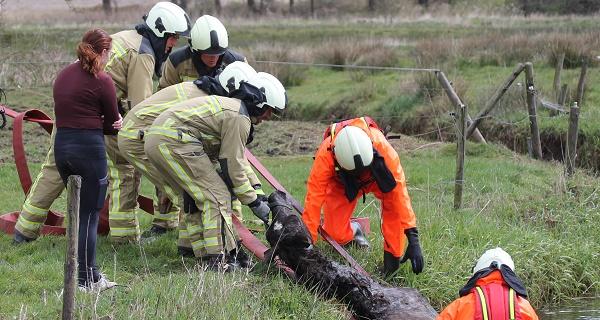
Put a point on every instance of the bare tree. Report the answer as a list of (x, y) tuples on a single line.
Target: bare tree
[(291, 6), (251, 5), (107, 6), (182, 3), (218, 6), (371, 5)]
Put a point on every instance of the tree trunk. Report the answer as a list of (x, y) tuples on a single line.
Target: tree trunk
[(182, 3), (218, 6), (291, 6), (371, 5), (107, 6), (423, 3), (252, 6), (366, 298)]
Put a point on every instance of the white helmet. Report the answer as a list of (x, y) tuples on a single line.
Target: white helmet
[(494, 255), (209, 36), (234, 73), (353, 148), (273, 90), (167, 17)]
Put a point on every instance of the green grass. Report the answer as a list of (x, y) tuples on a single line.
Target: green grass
[(547, 225)]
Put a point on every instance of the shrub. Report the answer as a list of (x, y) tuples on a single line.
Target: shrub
[(289, 75), (559, 6), (501, 50), (362, 52)]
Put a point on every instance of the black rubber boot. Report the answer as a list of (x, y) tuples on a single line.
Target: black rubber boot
[(185, 252), (19, 238), (239, 258), (155, 231)]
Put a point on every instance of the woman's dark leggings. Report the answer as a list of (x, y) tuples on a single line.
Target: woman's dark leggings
[(81, 152)]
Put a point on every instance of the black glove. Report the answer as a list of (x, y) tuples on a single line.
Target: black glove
[(413, 251), (390, 263), (260, 194), (261, 209)]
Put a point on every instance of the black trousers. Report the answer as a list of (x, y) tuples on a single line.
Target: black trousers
[(81, 152)]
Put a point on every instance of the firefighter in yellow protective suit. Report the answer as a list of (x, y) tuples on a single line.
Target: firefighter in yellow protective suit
[(186, 140), (206, 55), (136, 55), (136, 122)]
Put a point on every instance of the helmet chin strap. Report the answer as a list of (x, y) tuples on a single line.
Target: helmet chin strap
[(251, 96), (158, 45)]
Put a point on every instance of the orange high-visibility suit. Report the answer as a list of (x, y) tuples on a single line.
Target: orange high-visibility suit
[(469, 306), (325, 189)]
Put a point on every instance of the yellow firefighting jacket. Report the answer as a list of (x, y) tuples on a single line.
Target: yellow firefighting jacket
[(185, 65), (222, 125), (131, 66)]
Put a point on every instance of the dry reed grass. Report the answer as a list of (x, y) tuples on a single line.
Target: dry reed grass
[(369, 52), (288, 75), (505, 50)]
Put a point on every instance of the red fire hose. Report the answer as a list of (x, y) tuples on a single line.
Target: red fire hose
[(278, 186), (53, 224)]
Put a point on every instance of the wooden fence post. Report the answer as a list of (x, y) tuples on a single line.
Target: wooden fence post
[(70, 282), (489, 106), (461, 139), (572, 139), (532, 108), (581, 84), (560, 61), (457, 103)]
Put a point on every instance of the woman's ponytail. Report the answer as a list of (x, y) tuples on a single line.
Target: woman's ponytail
[(89, 50)]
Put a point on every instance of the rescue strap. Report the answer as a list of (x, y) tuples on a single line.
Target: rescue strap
[(275, 184), (39, 117)]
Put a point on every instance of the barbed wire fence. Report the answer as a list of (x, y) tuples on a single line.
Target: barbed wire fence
[(33, 75)]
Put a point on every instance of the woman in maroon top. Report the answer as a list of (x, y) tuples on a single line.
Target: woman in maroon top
[(85, 105)]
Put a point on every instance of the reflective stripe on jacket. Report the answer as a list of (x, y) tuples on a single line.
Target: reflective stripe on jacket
[(496, 299), (222, 125), (323, 173), (131, 66)]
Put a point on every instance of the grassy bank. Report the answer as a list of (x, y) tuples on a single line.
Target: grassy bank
[(548, 225)]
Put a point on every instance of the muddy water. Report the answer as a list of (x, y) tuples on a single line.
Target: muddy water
[(581, 310)]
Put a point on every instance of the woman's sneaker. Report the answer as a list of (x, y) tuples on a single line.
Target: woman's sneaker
[(102, 284)]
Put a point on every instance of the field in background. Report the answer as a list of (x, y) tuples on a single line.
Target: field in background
[(549, 225), (475, 51)]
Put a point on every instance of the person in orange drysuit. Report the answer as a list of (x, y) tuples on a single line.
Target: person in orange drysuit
[(493, 292), (355, 158)]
